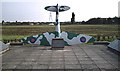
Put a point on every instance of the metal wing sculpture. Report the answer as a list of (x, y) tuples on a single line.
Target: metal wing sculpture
[(54, 8)]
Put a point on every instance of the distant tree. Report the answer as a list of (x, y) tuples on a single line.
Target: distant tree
[(3, 22), (25, 23), (83, 22), (73, 17), (116, 20), (92, 21)]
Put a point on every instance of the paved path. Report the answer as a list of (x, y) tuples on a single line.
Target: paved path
[(72, 58)]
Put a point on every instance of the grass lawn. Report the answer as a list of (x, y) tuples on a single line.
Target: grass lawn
[(17, 32)]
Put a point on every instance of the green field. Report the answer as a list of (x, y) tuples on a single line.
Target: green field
[(17, 32)]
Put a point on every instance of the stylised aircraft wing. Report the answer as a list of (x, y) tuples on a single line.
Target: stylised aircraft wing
[(63, 8), (51, 8), (54, 8)]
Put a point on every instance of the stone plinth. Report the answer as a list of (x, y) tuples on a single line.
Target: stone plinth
[(57, 43)]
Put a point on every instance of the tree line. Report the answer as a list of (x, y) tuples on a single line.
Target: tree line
[(114, 20)]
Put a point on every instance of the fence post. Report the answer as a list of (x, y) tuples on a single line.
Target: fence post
[(98, 37), (103, 37), (108, 37)]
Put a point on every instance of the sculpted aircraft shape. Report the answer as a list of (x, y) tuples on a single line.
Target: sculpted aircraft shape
[(68, 37)]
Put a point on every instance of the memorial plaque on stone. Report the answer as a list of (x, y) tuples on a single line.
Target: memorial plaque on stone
[(57, 43)]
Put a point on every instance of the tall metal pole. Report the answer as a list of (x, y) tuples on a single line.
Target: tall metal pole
[(57, 26), (57, 9)]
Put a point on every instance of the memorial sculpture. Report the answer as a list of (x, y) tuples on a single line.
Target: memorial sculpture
[(4, 47), (68, 37), (115, 46)]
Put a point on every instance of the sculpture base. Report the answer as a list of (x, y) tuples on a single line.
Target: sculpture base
[(57, 43)]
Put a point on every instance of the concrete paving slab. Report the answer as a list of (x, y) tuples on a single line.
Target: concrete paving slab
[(73, 66), (105, 66), (43, 62), (57, 62), (40, 66), (89, 66), (56, 66), (9, 66), (86, 62), (71, 62), (23, 66), (81, 57)]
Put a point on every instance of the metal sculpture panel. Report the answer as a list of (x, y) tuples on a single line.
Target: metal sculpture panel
[(69, 38)]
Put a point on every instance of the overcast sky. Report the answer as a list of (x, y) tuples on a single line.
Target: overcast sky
[(33, 10)]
